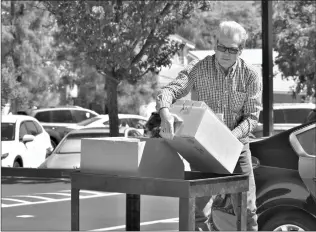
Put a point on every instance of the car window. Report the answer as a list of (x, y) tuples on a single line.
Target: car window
[(278, 116), (38, 127), (80, 115), (124, 122), (43, 116), (307, 141), (296, 115), (137, 123), (23, 131), (134, 133), (72, 144), (7, 131), (61, 116), (31, 128)]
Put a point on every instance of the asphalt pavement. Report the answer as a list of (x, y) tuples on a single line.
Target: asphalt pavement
[(44, 205)]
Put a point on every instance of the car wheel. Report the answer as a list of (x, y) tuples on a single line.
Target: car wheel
[(16, 164), (292, 221), (54, 145)]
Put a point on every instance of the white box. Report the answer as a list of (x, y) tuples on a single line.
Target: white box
[(204, 140), (146, 157)]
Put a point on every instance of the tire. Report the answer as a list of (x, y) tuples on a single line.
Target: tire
[(16, 164), (292, 219)]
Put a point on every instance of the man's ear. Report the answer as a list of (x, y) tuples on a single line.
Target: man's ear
[(240, 51)]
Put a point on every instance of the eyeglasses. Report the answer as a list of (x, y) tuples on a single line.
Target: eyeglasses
[(222, 48)]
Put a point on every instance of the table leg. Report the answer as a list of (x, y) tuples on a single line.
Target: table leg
[(187, 214), (242, 211), (74, 209), (132, 212)]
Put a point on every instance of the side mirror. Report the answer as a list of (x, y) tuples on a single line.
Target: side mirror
[(28, 138)]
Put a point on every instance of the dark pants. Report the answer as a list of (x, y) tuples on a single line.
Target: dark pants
[(204, 205)]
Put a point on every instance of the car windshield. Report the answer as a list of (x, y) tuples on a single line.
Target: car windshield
[(7, 131), (88, 121), (72, 144)]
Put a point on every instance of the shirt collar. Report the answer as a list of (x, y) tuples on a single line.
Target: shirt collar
[(230, 70)]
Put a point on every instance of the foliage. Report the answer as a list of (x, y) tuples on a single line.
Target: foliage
[(26, 41), (295, 30), (131, 97), (201, 27), (122, 40)]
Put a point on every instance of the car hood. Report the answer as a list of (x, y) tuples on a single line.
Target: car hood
[(64, 161), (7, 146)]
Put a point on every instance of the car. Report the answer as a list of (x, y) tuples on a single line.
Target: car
[(24, 142), (285, 176), (285, 116), (56, 119), (67, 153), (125, 120)]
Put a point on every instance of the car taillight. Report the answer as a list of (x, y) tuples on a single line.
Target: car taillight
[(5, 155)]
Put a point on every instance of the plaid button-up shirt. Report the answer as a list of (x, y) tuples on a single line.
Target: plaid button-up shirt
[(236, 95)]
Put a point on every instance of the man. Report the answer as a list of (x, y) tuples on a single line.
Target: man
[(232, 89)]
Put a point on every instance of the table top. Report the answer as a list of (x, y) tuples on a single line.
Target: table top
[(195, 184)]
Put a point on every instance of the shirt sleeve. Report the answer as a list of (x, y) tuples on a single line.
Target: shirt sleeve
[(252, 107), (177, 88)]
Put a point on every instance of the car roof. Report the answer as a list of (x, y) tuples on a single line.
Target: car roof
[(14, 118), (294, 106), (63, 108), (96, 130), (123, 116)]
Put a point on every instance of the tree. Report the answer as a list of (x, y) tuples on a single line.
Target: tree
[(123, 40), (26, 49), (295, 32), (201, 27)]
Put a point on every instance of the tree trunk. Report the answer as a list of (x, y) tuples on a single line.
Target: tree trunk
[(111, 90)]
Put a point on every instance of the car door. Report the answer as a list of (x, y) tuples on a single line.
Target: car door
[(39, 154), (29, 148), (303, 142)]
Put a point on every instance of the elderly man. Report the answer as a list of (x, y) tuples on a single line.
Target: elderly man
[(232, 89)]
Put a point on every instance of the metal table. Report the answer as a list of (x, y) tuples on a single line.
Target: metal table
[(195, 184)]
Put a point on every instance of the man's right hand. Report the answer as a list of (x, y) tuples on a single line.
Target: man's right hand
[(167, 123)]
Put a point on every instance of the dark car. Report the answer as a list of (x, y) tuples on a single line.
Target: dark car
[(285, 175), (55, 120)]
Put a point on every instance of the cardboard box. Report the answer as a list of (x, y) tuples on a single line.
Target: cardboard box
[(204, 140), (146, 157)]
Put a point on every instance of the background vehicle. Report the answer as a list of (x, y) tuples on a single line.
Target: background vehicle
[(125, 120), (285, 116), (24, 142), (67, 153), (285, 181), (55, 120)]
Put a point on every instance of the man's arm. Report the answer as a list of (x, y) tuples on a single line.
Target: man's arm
[(252, 108), (177, 88)]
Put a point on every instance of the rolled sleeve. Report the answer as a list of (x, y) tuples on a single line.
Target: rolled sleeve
[(252, 108), (177, 88)]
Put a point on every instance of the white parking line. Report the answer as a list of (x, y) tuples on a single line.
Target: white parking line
[(170, 220), (24, 203), (17, 200), (37, 197)]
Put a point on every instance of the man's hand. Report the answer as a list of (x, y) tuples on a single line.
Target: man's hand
[(167, 123)]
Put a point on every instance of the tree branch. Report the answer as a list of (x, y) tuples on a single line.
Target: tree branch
[(151, 34)]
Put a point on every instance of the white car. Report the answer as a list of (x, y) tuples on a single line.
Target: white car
[(285, 117), (24, 142), (125, 120)]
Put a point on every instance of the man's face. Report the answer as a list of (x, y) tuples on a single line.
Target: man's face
[(225, 58)]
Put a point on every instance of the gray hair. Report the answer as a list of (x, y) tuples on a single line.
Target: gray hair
[(231, 29)]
